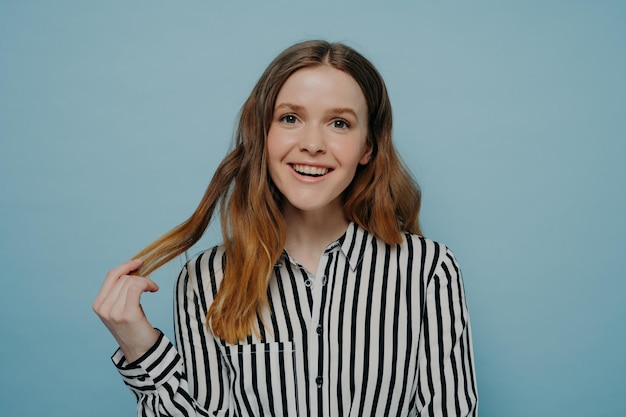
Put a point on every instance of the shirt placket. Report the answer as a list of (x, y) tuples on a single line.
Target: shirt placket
[(317, 333)]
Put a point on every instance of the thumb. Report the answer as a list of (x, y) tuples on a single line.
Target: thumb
[(151, 286), (140, 286)]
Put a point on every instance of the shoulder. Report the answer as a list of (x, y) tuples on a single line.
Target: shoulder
[(425, 246), (415, 254), (203, 273), (429, 257), (416, 247)]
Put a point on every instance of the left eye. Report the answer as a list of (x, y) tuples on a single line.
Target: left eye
[(341, 124)]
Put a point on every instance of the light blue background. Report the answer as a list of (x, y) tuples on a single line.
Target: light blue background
[(512, 115)]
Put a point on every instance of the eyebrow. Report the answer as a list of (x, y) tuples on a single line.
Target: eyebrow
[(299, 108), (294, 107)]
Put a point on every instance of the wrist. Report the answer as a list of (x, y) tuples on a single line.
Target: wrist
[(140, 346)]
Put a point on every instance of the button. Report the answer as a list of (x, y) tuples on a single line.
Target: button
[(319, 381), (318, 329), (324, 280), (308, 282)]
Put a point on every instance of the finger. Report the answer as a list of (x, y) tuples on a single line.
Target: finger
[(105, 304), (132, 298), (152, 286), (110, 299), (123, 301), (113, 277)]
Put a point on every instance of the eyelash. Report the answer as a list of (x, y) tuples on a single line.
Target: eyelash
[(285, 118), (345, 124), (337, 123)]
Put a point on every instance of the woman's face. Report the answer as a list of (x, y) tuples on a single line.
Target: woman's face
[(317, 138)]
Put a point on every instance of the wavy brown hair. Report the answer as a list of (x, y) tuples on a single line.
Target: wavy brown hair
[(382, 198)]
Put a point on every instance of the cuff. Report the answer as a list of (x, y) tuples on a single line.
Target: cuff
[(151, 370)]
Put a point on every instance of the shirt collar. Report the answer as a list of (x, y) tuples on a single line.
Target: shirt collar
[(352, 245)]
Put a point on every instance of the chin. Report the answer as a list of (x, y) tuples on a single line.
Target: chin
[(316, 206)]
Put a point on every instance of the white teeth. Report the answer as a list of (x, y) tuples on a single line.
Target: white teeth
[(309, 170)]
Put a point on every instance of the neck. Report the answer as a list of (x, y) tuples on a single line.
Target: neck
[(309, 233)]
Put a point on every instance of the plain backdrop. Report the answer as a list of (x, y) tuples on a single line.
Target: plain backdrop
[(511, 115)]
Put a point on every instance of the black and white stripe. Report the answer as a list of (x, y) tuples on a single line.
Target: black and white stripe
[(381, 330)]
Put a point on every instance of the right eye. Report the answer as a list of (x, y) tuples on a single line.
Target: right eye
[(289, 119)]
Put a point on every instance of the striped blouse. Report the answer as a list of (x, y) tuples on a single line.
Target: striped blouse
[(380, 330)]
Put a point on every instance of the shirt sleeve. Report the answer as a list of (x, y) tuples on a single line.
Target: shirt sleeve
[(447, 383), (187, 380)]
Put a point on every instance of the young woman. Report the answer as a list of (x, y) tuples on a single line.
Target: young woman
[(324, 299)]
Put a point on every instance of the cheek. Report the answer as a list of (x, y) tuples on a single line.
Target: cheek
[(275, 144), (352, 152), (273, 155), (271, 148)]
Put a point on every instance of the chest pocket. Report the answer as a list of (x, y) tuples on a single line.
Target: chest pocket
[(262, 379)]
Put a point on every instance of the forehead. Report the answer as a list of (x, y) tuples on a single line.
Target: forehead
[(322, 85)]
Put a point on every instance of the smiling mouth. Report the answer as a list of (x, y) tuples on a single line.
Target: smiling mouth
[(310, 171)]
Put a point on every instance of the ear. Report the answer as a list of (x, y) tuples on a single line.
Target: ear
[(366, 155)]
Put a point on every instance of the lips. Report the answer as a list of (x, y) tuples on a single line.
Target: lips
[(309, 170)]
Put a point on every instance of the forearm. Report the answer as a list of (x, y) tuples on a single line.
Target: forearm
[(446, 361), (157, 380)]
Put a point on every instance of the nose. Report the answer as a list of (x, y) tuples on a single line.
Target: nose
[(312, 140)]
